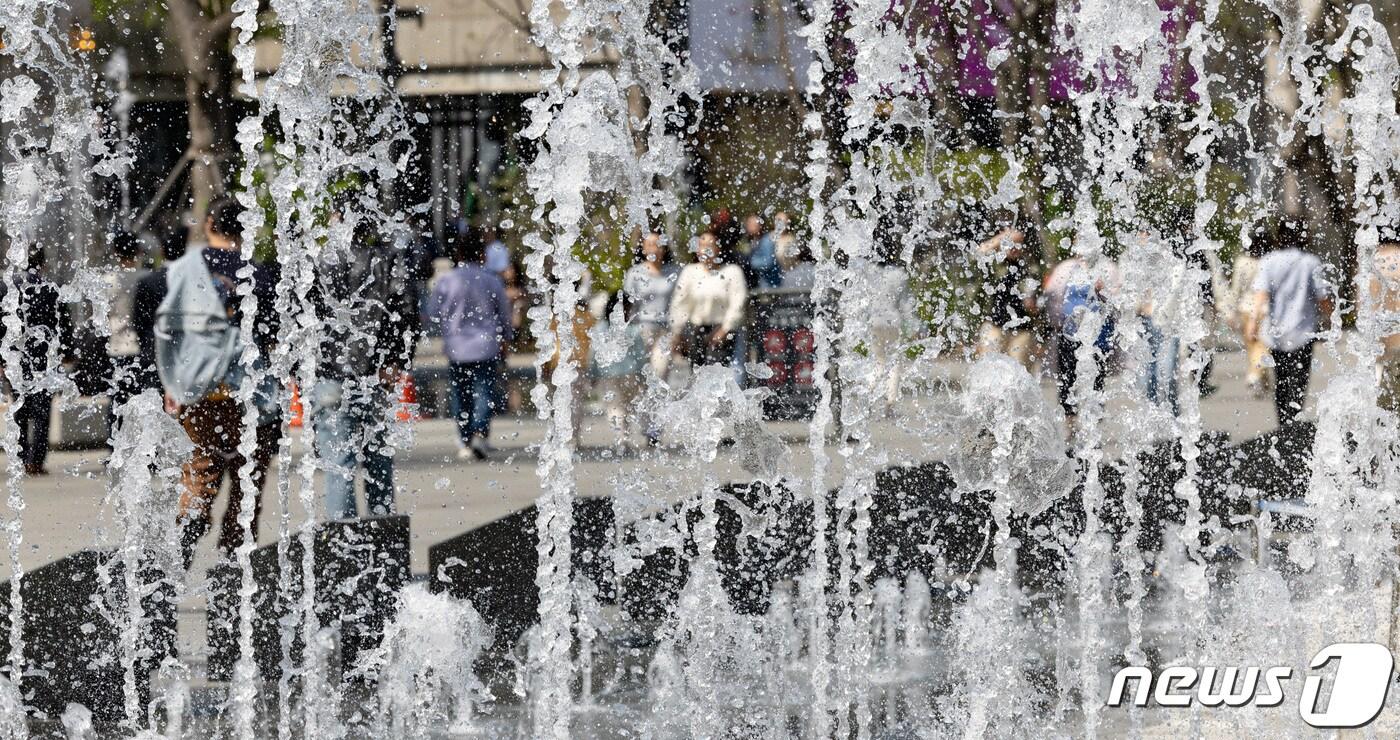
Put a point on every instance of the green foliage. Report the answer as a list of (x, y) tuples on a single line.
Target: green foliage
[(947, 300), (147, 13), (265, 247)]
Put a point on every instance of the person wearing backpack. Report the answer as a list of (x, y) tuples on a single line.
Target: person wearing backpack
[(198, 348), (366, 295)]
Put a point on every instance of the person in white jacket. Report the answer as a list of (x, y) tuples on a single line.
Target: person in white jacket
[(707, 306)]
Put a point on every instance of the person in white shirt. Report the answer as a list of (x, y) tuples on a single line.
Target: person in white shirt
[(707, 306), (1291, 295)]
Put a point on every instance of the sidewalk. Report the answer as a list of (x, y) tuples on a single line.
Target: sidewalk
[(446, 496)]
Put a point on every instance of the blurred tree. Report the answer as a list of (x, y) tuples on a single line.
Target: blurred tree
[(202, 31), (202, 34)]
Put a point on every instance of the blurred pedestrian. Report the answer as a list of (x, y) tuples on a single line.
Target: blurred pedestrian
[(1239, 303), (647, 287), (763, 260), (581, 322), (727, 232), (472, 309), (890, 315), (46, 342), (518, 296), (367, 299), (199, 346), (1384, 287), (1075, 301), (748, 246), (497, 253), (707, 306), (1291, 295), (1162, 312), (620, 371), (1007, 328), (123, 341)]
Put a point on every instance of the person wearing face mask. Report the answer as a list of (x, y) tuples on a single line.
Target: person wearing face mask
[(707, 306), (646, 297)]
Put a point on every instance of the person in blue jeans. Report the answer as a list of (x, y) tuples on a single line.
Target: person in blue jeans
[(351, 429), (472, 309), (367, 296)]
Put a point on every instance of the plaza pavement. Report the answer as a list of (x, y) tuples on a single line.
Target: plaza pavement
[(66, 512)]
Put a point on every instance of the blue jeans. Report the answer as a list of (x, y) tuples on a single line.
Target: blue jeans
[(741, 354), (474, 397), (350, 420), (1159, 377)]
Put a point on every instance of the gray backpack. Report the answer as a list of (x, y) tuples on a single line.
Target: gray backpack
[(196, 344)]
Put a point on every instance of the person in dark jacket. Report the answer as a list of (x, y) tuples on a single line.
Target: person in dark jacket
[(1007, 326), (367, 295), (47, 341)]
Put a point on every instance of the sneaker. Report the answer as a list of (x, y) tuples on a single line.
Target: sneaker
[(480, 448), (1256, 387), (466, 453), (485, 444)]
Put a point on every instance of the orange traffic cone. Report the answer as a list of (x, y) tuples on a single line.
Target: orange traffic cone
[(408, 398), (295, 411)]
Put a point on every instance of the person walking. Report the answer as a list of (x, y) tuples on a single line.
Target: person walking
[(707, 306), (366, 296), (890, 318), (471, 308), (1007, 328), (1181, 287), (1239, 301), (199, 346), (647, 287), (1074, 296), (1291, 295), (1384, 287), (123, 342), (46, 342)]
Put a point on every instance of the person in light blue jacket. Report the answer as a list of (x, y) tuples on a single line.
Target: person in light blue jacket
[(198, 345)]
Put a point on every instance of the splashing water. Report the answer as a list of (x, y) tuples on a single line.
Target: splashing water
[(938, 547)]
